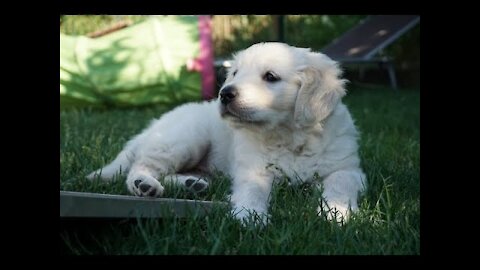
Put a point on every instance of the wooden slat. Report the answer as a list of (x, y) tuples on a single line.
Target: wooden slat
[(82, 204)]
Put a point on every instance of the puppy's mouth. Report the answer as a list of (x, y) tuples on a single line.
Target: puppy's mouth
[(239, 114)]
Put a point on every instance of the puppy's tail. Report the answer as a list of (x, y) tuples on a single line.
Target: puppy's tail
[(120, 165)]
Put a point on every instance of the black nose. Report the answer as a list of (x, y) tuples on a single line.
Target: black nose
[(228, 94)]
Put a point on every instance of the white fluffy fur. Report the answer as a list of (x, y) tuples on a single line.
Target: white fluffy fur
[(296, 126)]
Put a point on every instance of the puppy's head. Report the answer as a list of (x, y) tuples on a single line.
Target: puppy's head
[(272, 83)]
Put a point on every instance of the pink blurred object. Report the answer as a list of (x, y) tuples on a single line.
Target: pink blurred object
[(204, 63)]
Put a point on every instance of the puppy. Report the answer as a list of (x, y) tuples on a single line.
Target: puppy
[(278, 113)]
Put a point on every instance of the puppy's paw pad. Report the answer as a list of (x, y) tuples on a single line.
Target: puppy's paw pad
[(137, 182), (190, 181), (152, 192), (196, 185), (145, 187)]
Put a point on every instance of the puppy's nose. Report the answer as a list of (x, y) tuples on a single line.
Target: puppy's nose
[(228, 94)]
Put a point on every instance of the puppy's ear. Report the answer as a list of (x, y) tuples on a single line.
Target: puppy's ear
[(320, 91)]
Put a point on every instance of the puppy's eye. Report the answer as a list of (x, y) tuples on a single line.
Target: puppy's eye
[(271, 77), (234, 73)]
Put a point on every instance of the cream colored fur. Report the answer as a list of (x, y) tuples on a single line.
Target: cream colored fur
[(296, 126)]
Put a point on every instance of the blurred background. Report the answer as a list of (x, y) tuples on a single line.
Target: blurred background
[(91, 45)]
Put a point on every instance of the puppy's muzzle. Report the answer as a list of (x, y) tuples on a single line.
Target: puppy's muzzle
[(228, 94)]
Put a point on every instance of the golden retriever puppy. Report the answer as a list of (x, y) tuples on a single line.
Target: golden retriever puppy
[(278, 113)]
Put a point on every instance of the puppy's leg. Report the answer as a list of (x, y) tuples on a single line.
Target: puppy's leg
[(163, 158), (193, 183), (120, 165), (167, 147), (251, 187), (250, 196), (142, 181), (340, 193)]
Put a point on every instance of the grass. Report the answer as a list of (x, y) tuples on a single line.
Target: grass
[(388, 222)]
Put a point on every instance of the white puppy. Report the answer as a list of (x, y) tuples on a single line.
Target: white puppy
[(279, 113)]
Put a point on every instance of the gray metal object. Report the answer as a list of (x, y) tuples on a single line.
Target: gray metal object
[(82, 204), (360, 44)]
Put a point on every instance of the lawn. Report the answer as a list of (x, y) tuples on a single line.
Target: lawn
[(388, 221)]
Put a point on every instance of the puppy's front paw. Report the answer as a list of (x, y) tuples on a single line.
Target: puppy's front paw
[(195, 184), (339, 212), (144, 186), (250, 216)]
